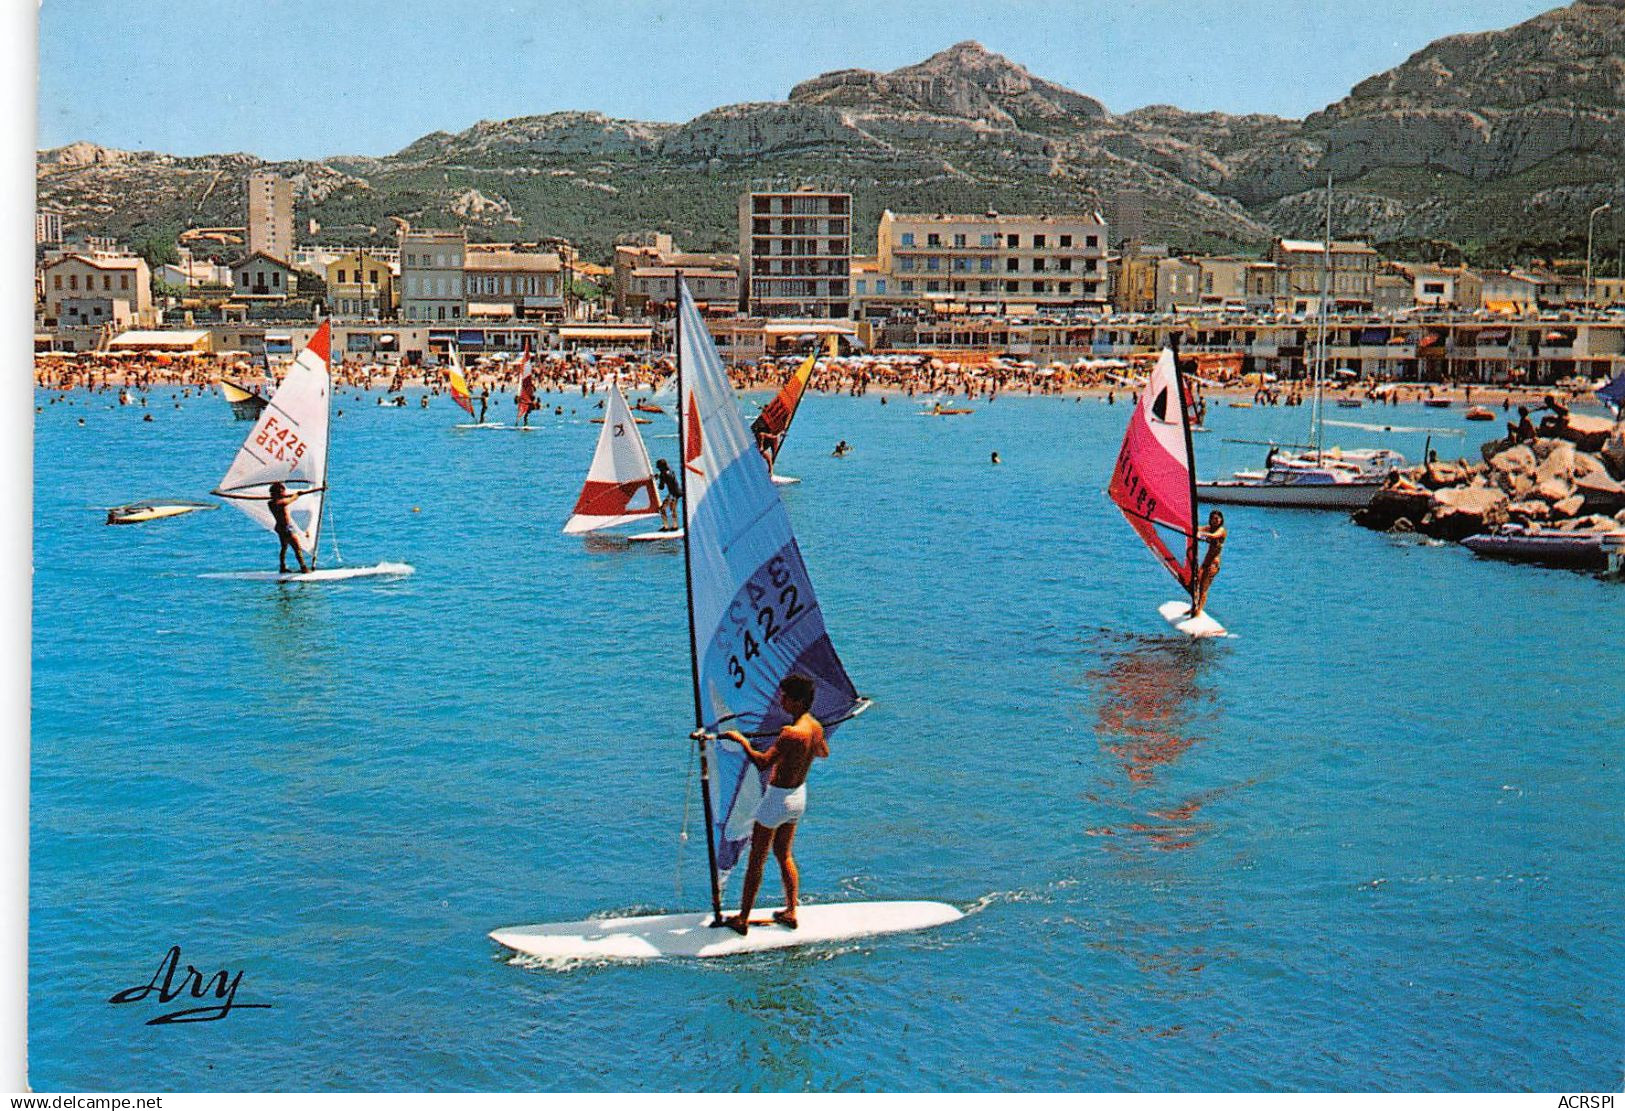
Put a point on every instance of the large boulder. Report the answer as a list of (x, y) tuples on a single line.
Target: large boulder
[(1459, 512), (1391, 505), (1553, 489), (1613, 452), (1514, 460), (1529, 511), (1558, 462), (1569, 506), (1601, 493), (1437, 475), (1588, 433)]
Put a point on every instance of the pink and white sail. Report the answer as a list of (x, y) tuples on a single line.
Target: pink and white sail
[(1153, 481), (620, 486)]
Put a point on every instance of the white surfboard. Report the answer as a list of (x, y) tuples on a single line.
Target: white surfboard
[(652, 937), (482, 424), (1178, 615), (784, 480), (320, 575), (665, 534)]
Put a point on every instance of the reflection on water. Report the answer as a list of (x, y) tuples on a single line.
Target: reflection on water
[(1149, 706)]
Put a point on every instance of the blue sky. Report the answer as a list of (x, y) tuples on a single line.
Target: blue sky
[(301, 79)]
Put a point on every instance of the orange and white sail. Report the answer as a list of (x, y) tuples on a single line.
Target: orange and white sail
[(458, 383), (773, 422), (620, 485)]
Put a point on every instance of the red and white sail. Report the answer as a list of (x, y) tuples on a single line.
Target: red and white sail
[(1153, 483), (288, 444), (526, 401), (620, 485)]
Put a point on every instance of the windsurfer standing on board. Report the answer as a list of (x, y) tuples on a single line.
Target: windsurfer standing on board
[(1215, 534), (279, 502), (787, 762), (670, 490)]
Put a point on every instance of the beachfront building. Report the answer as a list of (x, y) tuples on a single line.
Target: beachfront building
[(97, 290), (263, 277), (360, 286), (996, 262), (642, 277), (502, 281), (795, 254), (1350, 279), (270, 215), (432, 275)]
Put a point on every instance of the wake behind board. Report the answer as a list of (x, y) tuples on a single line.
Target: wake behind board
[(320, 575), (652, 937), (1178, 615), (663, 534), (784, 480)]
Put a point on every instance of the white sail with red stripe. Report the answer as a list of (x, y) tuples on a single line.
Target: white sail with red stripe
[(620, 486), (288, 445)]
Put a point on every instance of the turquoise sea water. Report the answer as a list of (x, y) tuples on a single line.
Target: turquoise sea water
[(1372, 842)]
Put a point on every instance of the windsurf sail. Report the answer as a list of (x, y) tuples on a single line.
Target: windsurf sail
[(288, 444), (773, 422), (620, 483), (1153, 483), (457, 383), (753, 616), (527, 392)]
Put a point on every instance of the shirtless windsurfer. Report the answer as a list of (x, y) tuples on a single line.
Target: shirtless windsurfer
[(787, 762)]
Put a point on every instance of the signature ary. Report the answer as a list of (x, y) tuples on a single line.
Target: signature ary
[(169, 984)]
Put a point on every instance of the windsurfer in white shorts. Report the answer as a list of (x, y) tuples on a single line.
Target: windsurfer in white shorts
[(787, 762)]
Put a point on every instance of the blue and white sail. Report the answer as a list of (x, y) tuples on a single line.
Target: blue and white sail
[(755, 616)]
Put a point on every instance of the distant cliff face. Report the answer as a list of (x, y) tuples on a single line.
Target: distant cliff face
[(1501, 140)]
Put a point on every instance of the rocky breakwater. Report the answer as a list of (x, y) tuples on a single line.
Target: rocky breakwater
[(1571, 480)]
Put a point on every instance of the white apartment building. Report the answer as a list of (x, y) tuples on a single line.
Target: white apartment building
[(432, 275), (994, 262), (270, 216), (795, 254)]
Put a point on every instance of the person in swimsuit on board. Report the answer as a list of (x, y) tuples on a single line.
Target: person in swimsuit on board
[(671, 490), (1215, 535), (787, 762), (279, 502)]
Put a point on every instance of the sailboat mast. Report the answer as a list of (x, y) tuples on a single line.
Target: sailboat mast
[(1320, 342), (1190, 458), (327, 456), (683, 403)]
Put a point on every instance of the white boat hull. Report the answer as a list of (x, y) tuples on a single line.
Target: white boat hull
[(1280, 495), (651, 937), (784, 480), (650, 537)]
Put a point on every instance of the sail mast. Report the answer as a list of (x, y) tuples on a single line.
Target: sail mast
[(1320, 342), (327, 453), (1190, 469), (684, 405)]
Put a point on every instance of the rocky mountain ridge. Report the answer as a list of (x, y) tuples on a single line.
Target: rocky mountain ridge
[(1498, 142)]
